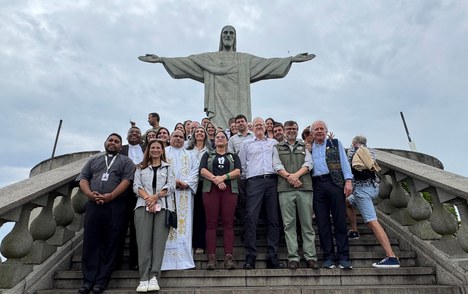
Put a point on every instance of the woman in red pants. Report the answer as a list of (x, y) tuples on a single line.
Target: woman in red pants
[(220, 170)]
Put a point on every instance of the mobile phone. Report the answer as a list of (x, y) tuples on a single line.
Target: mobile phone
[(158, 207)]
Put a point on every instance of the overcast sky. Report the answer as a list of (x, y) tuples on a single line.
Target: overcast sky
[(77, 61)]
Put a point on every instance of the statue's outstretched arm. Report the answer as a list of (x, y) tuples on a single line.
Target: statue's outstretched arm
[(151, 58), (301, 57)]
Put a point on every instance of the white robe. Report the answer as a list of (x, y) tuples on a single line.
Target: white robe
[(178, 253)]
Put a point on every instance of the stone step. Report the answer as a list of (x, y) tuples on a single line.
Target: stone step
[(358, 259), (365, 233), (265, 277), (377, 289), (364, 243), (238, 242), (361, 279)]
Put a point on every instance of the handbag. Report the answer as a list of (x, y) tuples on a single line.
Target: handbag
[(171, 216)]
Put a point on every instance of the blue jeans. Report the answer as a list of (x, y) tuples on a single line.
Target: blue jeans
[(362, 198)]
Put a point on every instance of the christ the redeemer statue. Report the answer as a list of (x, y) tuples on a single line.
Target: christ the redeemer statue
[(227, 75)]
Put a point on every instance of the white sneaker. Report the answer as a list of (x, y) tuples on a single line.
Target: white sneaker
[(143, 287), (153, 285)]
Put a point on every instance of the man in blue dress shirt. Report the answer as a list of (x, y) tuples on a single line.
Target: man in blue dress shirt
[(332, 182)]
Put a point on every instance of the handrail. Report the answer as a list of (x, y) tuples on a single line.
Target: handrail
[(451, 183), (429, 227), (22, 192)]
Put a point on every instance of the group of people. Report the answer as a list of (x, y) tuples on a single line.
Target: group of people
[(209, 176)]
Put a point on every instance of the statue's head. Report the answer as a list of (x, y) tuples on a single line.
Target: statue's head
[(228, 40)]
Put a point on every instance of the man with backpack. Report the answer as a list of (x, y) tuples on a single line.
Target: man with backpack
[(366, 189)]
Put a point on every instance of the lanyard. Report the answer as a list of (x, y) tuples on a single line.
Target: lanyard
[(108, 166)]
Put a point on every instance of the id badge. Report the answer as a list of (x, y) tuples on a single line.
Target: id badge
[(105, 177)]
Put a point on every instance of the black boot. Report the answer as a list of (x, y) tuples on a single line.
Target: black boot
[(85, 288), (249, 262), (274, 263)]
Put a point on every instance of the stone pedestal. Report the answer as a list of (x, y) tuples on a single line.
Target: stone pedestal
[(13, 271)]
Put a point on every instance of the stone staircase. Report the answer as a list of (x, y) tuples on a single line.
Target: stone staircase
[(363, 278)]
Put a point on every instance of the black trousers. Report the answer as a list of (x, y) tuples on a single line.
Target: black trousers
[(330, 199), (128, 226), (240, 208), (258, 192), (101, 239), (199, 219)]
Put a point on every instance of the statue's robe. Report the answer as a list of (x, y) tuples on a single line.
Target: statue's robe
[(227, 77)]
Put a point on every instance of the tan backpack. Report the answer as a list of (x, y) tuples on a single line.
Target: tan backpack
[(362, 160)]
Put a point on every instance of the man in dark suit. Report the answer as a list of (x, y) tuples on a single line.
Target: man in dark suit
[(134, 151)]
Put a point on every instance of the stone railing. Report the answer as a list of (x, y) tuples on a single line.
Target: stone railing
[(31, 246), (446, 236)]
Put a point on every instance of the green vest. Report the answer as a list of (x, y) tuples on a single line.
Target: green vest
[(292, 161), (332, 156), (232, 182)]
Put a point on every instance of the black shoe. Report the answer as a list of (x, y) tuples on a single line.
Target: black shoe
[(85, 288), (353, 235), (99, 289), (293, 265), (249, 262), (312, 264), (273, 263)]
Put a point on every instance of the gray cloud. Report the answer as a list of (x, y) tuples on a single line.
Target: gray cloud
[(77, 61)]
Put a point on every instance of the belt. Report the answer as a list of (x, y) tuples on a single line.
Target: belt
[(322, 178), (267, 176)]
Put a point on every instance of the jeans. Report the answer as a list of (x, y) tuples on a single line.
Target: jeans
[(362, 198)]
